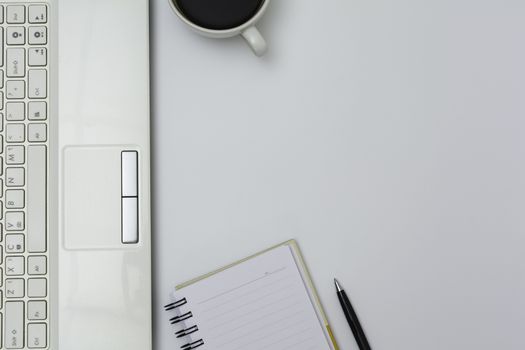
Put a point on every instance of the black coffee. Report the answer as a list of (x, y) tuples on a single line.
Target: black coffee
[(219, 14)]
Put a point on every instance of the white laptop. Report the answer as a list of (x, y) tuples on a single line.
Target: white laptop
[(75, 269)]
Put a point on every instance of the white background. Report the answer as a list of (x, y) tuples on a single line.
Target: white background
[(387, 137)]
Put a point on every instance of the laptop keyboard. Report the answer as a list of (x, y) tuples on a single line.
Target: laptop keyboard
[(24, 295)]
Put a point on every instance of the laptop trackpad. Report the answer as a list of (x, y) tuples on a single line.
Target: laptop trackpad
[(92, 198)]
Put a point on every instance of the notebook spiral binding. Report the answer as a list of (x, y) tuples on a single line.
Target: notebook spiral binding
[(183, 317)]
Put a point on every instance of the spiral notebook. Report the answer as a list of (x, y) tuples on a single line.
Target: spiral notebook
[(266, 301)]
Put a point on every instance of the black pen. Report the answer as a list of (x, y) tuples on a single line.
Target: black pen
[(351, 317)]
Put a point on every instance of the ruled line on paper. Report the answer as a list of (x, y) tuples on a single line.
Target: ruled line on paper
[(290, 346), (250, 303), (253, 320), (251, 292), (279, 324), (264, 296), (266, 275), (243, 346)]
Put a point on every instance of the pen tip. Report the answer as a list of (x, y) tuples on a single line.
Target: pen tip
[(337, 285)]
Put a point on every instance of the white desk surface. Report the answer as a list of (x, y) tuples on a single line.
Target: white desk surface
[(387, 137)]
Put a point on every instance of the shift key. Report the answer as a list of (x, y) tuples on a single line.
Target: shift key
[(36, 199), (14, 325)]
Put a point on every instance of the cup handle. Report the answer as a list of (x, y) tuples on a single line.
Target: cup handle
[(256, 41)]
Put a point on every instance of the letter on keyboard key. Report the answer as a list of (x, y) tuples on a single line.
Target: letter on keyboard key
[(14, 288), (37, 80), (14, 325), (14, 199), (14, 244), (14, 221), (14, 155), (36, 199), (14, 265), (14, 177)]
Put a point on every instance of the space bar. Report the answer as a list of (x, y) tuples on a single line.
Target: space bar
[(36, 199)]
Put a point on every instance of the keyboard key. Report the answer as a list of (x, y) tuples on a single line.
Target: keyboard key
[(37, 110), (37, 132), (36, 287), (14, 199), (1, 46), (16, 36), (36, 200), (15, 89), (36, 265), (14, 221), (37, 35), (16, 14), (36, 335), (14, 265), (14, 155), (15, 133), (37, 81), (36, 310), (15, 63), (37, 56), (1, 21), (14, 177), (14, 243), (14, 325), (37, 14), (15, 111), (14, 288)]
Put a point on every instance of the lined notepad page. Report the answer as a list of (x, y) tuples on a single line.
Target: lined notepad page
[(260, 304)]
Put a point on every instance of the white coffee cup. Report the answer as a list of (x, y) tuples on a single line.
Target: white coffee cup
[(248, 30)]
